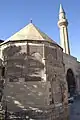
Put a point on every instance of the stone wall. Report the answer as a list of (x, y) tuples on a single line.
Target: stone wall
[(72, 63), (55, 77), (24, 85), (55, 72), (34, 78)]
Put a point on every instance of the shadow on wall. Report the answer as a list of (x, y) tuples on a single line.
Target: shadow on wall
[(20, 64), (71, 82)]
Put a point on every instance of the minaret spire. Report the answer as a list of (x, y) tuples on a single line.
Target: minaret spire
[(63, 23), (61, 10)]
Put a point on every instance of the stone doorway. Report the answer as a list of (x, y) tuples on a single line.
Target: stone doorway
[(71, 82)]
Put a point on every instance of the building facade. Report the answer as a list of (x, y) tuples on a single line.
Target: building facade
[(72, 73), (37, 74)]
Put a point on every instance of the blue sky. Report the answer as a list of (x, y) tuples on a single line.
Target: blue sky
[(15, 14)]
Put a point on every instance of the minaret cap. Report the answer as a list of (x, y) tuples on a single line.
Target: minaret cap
[(61, 10)]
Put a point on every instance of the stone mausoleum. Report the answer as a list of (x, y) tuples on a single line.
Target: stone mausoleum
[(37, 74)]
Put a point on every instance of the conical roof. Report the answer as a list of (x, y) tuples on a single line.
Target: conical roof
[(61, 10), (30, 32)]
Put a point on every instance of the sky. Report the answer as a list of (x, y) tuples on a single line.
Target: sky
[(15, 14)]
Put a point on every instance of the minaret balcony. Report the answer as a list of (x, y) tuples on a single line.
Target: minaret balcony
[(62, 22)]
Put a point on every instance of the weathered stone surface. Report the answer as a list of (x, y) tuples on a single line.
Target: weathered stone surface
[(35, 76), (30, 72)]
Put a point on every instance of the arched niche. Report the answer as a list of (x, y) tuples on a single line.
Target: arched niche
[(36, 65), (70, 77), (37, 56)]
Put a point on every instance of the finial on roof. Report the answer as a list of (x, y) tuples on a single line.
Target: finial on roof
[(61, 10), (30, 20)]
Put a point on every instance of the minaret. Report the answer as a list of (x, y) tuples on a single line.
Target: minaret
[(63, 23)]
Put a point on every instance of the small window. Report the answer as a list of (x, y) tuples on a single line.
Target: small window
[(50, 102), (50, 96), (1, 83), (3, 71), (13, 80), (49, 89), (10, 80), (32, 78)]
